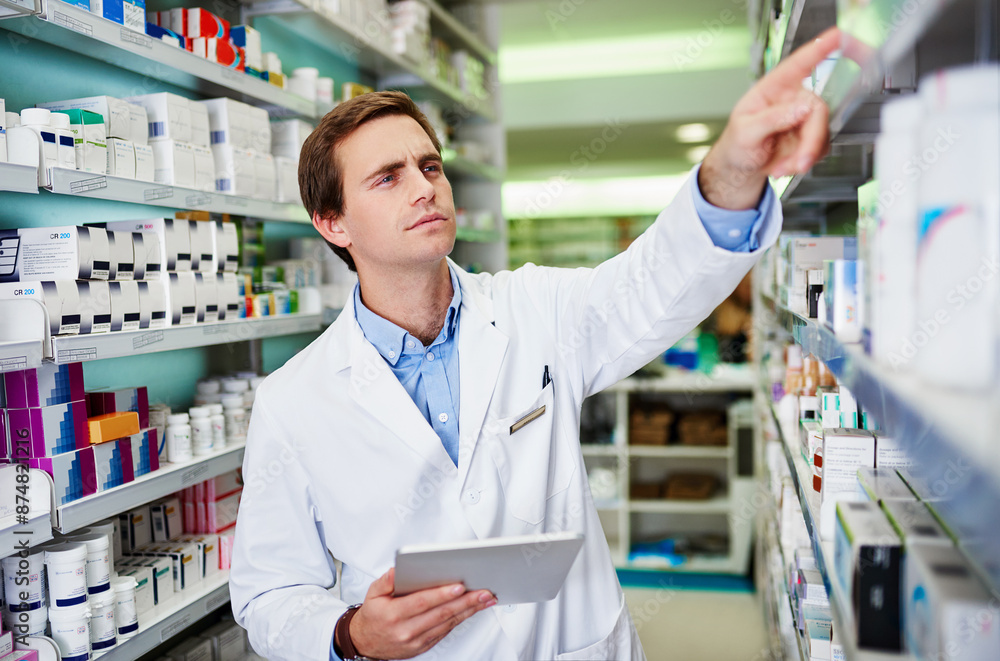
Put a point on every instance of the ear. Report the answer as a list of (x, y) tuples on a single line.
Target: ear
[(332, 229)]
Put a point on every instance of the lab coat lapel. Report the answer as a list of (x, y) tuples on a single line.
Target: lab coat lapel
[(481, 351), (377, 390)]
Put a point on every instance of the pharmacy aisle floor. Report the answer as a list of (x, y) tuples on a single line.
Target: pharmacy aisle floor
[(697, 625)]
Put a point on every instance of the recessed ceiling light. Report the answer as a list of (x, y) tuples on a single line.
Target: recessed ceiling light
[(697, 154), (693, 133)]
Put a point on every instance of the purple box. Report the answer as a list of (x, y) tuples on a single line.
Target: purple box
[(145, 452), (47, 431), (114, 463), (100, 402), (43, 386), (73, 473)]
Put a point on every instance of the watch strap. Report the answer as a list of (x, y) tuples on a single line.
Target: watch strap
[(342, 644)]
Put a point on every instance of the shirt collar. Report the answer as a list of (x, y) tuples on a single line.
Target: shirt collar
[(389, 339)]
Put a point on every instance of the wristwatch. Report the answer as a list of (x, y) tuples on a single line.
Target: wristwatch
[(342, 644)]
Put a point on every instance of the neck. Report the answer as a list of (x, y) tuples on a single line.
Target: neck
[(416, 301)]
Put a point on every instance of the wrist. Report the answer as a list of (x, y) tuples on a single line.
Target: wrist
[(730, 187), (343, 643)]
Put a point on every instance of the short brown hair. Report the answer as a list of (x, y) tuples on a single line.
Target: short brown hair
[(321, 180)]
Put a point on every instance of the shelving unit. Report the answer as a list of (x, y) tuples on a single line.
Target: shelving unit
[(18, 178), (79, 348), (37, 530), (20, 355), (165, 621), (106, 187), (618, 515), (79, 31), (946, 433), (169, 479)]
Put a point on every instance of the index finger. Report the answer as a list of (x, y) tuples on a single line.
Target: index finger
[(790, 72), (422, 601)]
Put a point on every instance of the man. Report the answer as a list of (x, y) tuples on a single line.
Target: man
[(395, 426)]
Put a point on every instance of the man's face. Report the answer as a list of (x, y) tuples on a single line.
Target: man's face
[(398, 206)]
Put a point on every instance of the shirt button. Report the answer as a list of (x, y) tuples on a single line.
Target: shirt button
[(409, 344), (734, 233), (471, 496), (430, 356), (392, 354), (443, 417), (509, 608)]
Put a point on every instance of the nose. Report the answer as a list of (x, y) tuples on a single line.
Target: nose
[(421, 189)]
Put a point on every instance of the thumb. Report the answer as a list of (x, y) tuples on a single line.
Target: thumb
[(383, 585)]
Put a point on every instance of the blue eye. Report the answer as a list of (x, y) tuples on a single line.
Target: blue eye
[(387, 179), (432, 168)]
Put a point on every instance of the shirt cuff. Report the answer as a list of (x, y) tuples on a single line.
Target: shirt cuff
[(735, 231)]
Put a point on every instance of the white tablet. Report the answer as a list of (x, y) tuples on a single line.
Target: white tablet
[(517, 570)]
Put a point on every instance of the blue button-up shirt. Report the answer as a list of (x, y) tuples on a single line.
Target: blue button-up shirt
[(430, 374)]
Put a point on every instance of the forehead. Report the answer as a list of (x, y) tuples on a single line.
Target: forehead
[(380, 141)]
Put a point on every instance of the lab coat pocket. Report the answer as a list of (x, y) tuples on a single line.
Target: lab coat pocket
[(619, 645), (532, 459)]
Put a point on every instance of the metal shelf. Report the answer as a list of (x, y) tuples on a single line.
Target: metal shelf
[(696, 564), (105, 187), (18, 178), (20, 355), (371, 54), (78, 348), (9, 8), (165, 621), (680, 451), (448, 24), (948, 433), (843, 618), (37, 530), (168, 479), (723, 379), (79, 31), (599, 450), (718, 505), (464, 167), (477, 236)]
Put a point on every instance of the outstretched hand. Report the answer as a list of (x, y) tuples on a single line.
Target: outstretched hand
[(777, 128)]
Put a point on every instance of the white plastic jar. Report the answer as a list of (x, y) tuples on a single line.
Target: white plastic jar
[(235, 415), (218, 420), (71, 631), (103, 635), (126, 618), (66, 150), (32, 566), (26, 623), (106, 528), (201, 431), (178, 438), (98, 561), (66, 573)]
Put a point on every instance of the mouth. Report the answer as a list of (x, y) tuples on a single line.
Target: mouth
[(428, 220)]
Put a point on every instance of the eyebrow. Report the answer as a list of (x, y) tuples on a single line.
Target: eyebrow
[(396, 165)]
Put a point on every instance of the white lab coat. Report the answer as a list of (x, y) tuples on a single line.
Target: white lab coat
[(340, 463)]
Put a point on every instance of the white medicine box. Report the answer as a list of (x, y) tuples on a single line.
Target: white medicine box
[(145, 163), (174, 239), (203, 246), (61, 299), (227, 246), (229, 121), (146, 247), (95, 306), (174, 163), (54, 253), (116, 113), (125, 305), (182, 299), (122, 263), (235, 172), (153, 304), (121, 158), (168, 115), (207, 297)]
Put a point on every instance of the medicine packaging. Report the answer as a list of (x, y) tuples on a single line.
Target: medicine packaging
[(56, 253), (145, 452), (107, 427), (287, 180), (868, 561), (136, 400), (168, 116), (148, 258), (45, 385), (947, 611), (227, 641), (95, 306), (182, 300), (166, 519), (47, 431), (162, 570), (35, 146), (135, 529), (122, 255), (74, 474), (115, 112), (89, 139), (145, 163), (235, 172), (144, 599), (248, 39), (199, 22), (288, 136), (207, 297), (265, 177), (113, 461), (203, 245), (208, 548), (914, 523), (125, 305), (204, 168), (227, 246), (230, 306), (153, 304), (201, 133), (882, 484), (843, 280), (259, 128), (164, 34), (121, 158), (230, 122), (61, 299), (844, 452), (174, 163), (173, 237)]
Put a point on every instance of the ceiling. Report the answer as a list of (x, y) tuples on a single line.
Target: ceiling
[(678, 61)]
